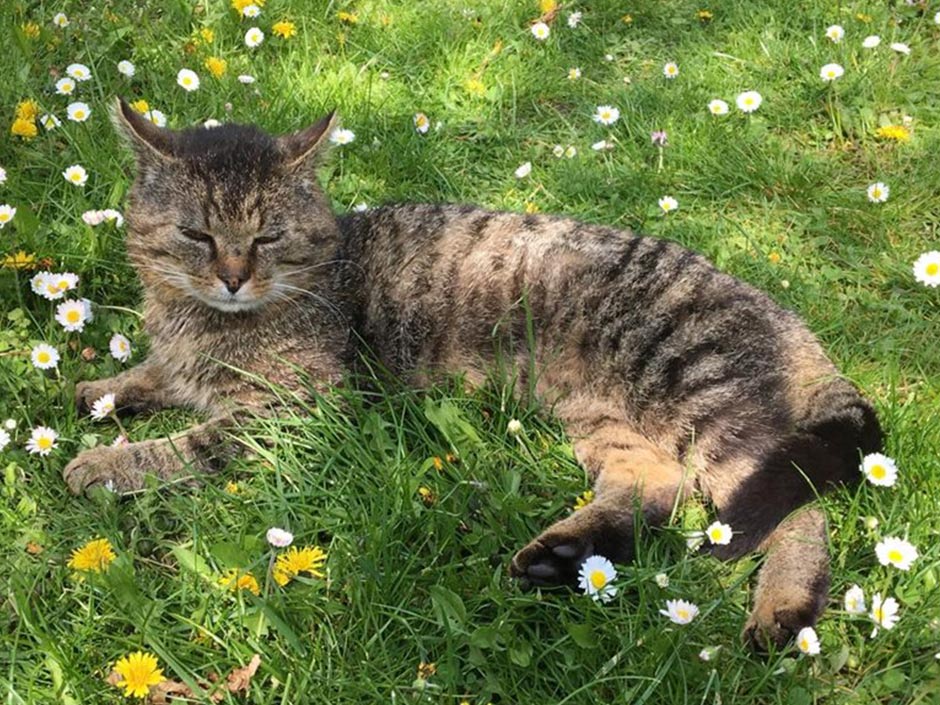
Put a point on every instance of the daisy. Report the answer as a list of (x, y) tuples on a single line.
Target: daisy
[(897, 552), (901, 48), (126, 68), (60, 20), (156, 117), (42, 440), (708, 653), (10, 424), (575, 18), (38, 283), (299, 560), (421, 122), (44, 356), (830, 72), (606, 114), (558, 151), (719, 534), (3, 175), (253, 37), (103, 407), (718, 107), (120, 347), (878, 192), (65, 86), (524, 170), (749, 101), (661, 580), (514, 427), (246, 78), (342, 136), (854, 600), (668, 203), (71, 315), (884, 613), (595, 577), (138, 671), (879, 469), (601, 146), (835, 33), (570, 151), (114, 216), (574, 74), (670, 70), (680, 611), (94, 557), (6, 214), (76, 174), (251, 11), (49, 121), (279, 538), (79, 72), (540, 31), (871, 42), (78, 112), (4, 439), (926, 267), (807, 641), (187, 79)]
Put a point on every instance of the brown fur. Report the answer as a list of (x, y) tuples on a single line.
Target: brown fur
[(670, 376)]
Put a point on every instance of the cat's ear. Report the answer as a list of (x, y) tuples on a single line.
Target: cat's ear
[(299, 148), (149, 142)]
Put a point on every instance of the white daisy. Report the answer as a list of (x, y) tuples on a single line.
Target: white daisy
[(4, 439), (807, 641), (342, 136), (524, 170), (879, 469), (60, 20), (126, 68), (680, 611), (540, 31), (835, 33), (719, 534), (514, 427), (854, 600), (253, 37), (49, 121), (884, 612), (71, 315), (42, 440), (10, 424), (574, 74), (558, 151), (93, 217), (279, 538), (114, 216), (671, 70), (120, 347), (103, 407), (926, 267), (668, 203), (901, 48), (76, 175), (3, 175), (38, 283), (830, 72), (749, 101), (595, 578), (606, 114), (6, 214), (251, 11), (44, 356), (78, 112), (871, 41), (79, 72), (708, 653), (571, 151), (156, 117), (360, 208), (187, 79), (246, 78), (421, 123), (718, 107), (601, 146), (65, 86), (575, 18), (661, 580), (878, 192), (895, 551)]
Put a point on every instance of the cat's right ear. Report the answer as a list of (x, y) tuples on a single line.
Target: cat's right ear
[(300, 148), (149, 142)]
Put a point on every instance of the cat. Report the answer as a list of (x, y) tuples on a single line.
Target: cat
[(669, 376)]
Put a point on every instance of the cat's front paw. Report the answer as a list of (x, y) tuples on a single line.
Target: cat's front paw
[(87, 393), (775, 622), (105, 467)]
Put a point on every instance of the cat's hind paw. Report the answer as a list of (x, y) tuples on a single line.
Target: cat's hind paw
[(102, 467)]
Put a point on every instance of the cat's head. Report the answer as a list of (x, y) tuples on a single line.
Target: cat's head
[(227, 216)]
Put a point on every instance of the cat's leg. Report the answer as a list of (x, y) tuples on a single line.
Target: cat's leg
[(202, 449), (135, 390), (632, 476)]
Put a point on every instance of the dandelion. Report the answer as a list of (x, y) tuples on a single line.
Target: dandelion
[(901, 48), (574, 19), (884, 613), (830, 72), (253, 37), (680, 611), (878, 192), (285, 30), (879, 469), (156, 117), (574, 74), (138, 671), (187, 79), (126, 68), (65, 86), (299, 560), (79, 72), (897, 552), (606, 114), (583, 499), (749, 101), (27, 110), (141, 106), (835, 33), (251, 11), (897, 133), (854, 600), (236, 580), (668, 204), (421, 122), (94, 557), (6, 214), (514, 427), (871, 42), (60, 20), (719, 534), (71, 315), (279, 538), (102, 408), (44, 356), (76, 175), (31, 30), (540, 31), (78, 112), (120, 347), (42, 440), (49, 121), (926, 268), (347, 17), (4, 439), (807, 641), (523, 170), (342, 136), (246, 79), (671, 70), (595, 578), (24, 128), (661, 580)]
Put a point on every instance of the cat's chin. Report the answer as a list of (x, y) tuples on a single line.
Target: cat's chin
[(231, 305)]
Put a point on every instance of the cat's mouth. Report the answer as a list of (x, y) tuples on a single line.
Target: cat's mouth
[(222, 300)]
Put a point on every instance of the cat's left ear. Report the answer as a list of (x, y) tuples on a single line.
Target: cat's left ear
[(300, 147)]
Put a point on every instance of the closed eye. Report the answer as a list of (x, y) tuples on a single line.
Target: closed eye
[(266, 239), (197, 236)]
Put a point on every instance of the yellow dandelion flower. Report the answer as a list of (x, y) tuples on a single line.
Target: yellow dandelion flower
[(207, 35), (531, 207), (898, 133), (141, 106), (31, 30), (235, 580), (19, 260), (284, 29), (627, 19), (216, 66), (704, 15), (95, 556), (863, 17), (232, 488), (427, 496), (451, 458), (27, 110), (474, 86), (24, 128), (584, 499), (239, 5), (138, 671), (546, 6), (293, 562), (438, 463), (426, 670), (347, 17), (774, 257)]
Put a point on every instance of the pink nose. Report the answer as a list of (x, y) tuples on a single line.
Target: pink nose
[(233, 282)]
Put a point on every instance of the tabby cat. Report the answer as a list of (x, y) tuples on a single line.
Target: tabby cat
[(670, 377)]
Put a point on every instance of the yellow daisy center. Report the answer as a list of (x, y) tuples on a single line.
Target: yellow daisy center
[(79, 114), (879, 614), (44, 443), (804, 644), (73, 316), (43, 357), (878, 472), (749, 101), (598, 579), (933, 269), (895, 556), (75, 176), (4, 217), (716, 534), (682, 613), (876, 193)]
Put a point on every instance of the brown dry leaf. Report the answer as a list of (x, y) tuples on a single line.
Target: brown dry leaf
[(240, 678), (167, 692), (33, 548)]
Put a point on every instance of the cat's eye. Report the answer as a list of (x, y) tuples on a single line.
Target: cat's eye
[(266, 239), (196, 236)]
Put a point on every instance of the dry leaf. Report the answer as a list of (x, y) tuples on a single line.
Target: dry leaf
[(33, 548), (240, 678)]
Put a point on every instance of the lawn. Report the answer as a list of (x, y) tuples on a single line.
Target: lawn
[(420, 497)]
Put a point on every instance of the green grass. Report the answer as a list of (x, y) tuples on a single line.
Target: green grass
[(410, 581)]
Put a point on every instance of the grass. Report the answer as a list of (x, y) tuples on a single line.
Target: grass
[(776, 198)]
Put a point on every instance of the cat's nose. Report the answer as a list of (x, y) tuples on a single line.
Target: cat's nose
[(233, 282)]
